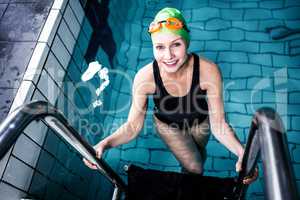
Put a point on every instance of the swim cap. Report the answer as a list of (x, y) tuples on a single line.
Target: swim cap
[(166, 13)]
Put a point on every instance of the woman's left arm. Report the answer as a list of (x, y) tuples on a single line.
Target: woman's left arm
[(218, 124), (212, 82)]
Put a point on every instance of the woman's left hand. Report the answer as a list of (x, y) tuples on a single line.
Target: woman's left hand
[(248, 179)]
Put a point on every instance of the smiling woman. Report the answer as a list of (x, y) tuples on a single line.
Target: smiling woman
[(187, 93)]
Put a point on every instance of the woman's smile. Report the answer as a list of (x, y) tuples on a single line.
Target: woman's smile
[(172, 63)]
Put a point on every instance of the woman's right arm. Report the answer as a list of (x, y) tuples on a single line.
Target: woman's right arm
[(135, 120)]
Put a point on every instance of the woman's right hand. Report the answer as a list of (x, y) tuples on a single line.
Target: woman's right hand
[(99, 148)]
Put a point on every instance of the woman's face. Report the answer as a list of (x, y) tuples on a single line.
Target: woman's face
[(169, 51)]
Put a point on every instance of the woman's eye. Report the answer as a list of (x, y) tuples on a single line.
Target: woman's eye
[(177, 44), (159, 47)]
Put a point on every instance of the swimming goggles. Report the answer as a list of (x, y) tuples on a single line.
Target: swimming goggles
[(170, 23)]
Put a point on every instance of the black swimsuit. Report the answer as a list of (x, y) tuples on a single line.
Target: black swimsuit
[(181, 112)]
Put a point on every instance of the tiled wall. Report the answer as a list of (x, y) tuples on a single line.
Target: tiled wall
[(42, 164), (257, 71)]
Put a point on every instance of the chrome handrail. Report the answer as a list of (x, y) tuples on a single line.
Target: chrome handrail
[(12, 127), (267, 138)]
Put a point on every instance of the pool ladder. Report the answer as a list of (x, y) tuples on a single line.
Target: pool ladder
[(266, 137)]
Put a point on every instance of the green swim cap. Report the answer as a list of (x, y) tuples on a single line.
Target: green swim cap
[(166, 13)]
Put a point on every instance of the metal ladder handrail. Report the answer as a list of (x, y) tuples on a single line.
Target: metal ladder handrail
[(267, 138), (12, 127)]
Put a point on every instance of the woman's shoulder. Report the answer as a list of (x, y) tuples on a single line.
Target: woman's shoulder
[(209, 73), (208, 69), (145, 73), (144, 78)]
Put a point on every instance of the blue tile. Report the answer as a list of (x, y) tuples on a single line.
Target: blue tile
[(286, 61), (293, 137), (216, 173), (258, 36), (51, 142), (219, 4), (263, 24), (217, 24), (72, 21), (246, 96), (253, 107), (245, 46), (235, 84), (163, 158), (83, 98), (217, 45), (210, 55), (201, 14), (293, 85), (244, 4), (151, 143), (294, 97), (293, 109), (296, 168), (232, 14), (36, 131), (291, 3), (245, 70), (260, 59), (294, 24), (9, 192), (144, 53), (87, 28), (66, 36), (77, 55), (216, 149), (27, 150), (196, 46), (271, 4), (78, 10), (61, 52), (295, 51), (295, 123), (64, 153), (74, 72), (54, 69), (269, 97), (239, 120), (18, 174), (136, 155), (232, 34), (221, 164), (259, 14), (48, 87), (250, 25), (272, 48), (191, 4), (254, 82), (225, 69), (287, 13), (83, 42), (208, 165), (233, 57), (38, 185)]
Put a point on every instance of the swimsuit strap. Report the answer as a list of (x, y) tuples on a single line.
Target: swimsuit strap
[(195, 79), (158, 81)]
